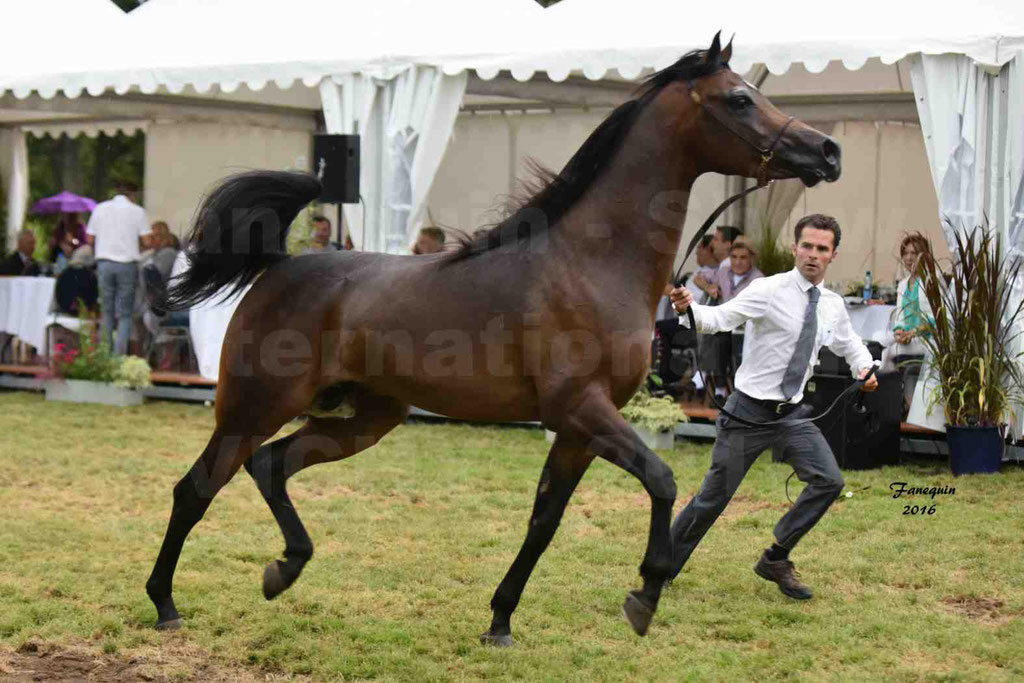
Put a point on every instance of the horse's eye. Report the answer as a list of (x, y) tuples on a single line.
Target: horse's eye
[(740, 102)]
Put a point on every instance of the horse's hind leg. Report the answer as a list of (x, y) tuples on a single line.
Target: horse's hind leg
[(192, 496), (320, 440), (567, 462)]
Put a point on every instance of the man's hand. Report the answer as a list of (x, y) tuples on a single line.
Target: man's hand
[(905, 336), (713, 291), (872, 383), (681, 299)]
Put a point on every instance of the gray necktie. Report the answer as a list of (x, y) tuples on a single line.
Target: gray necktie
[(794, 376)]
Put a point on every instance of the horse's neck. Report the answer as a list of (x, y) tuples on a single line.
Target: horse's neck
[(631, 223)]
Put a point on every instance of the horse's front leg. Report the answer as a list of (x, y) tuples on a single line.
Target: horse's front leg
[(610, 437), (567, 462)]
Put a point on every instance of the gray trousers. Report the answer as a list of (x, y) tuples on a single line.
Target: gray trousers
[(736, 448), (117, 298)]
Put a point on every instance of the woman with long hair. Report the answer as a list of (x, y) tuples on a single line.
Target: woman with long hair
[(912, 310)]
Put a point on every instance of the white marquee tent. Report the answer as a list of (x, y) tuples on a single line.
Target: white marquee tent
[(396, 71)]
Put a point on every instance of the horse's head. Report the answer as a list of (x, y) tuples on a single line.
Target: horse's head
[(739, 132)]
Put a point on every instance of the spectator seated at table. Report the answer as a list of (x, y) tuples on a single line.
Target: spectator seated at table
[(706, 265), (164, 247), (904, 349), (430, 240), (20, 262), (69, 235), (722, 285), (168, 346)]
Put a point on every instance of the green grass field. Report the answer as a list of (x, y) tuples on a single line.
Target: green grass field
[(413, 536)]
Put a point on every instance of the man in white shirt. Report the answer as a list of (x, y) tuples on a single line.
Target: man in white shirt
[(116, 230), (792, 317)]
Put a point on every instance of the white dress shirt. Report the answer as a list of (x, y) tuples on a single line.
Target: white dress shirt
[(775, 307), (117, 225)]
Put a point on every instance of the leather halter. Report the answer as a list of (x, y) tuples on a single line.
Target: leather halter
[(762, 181), (766, 152)]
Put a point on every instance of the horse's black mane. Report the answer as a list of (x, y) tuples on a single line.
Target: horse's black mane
[(551, 196)]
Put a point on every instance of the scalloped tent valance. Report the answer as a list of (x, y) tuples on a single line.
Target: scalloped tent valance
[(89, 129), (177, 43)]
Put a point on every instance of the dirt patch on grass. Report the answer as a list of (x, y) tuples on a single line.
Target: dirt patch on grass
[(38, 661), (985, 610)]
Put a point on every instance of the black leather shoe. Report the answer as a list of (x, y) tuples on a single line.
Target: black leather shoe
[(785, 575)]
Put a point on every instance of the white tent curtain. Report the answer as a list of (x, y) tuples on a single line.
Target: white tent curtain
[(14, 171), (971, 118), (404, 121)]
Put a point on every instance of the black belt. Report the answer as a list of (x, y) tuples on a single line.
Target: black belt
[(777, 407)]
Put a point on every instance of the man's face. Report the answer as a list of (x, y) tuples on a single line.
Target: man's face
[(27, 244), (719, 246), (741, 260), (814, 252), (321, 232), (704, 255)]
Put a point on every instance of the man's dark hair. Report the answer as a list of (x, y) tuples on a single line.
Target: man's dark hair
[(322, 219), (729, 232), (125, 185), (820, 221), (705, 241), (434, 233)]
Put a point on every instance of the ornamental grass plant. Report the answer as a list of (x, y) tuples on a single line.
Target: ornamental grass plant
[(773, 257), (972, 339)]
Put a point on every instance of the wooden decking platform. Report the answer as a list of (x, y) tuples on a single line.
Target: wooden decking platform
[(24, 370), (157, 377), (182, 378), (701, 413)]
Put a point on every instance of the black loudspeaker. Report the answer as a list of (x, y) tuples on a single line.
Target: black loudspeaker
[(831, 364), (336, 164), (865, 440), (670, 342)]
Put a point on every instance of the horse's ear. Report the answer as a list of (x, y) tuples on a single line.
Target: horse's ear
[(714, 50), (726, 52)]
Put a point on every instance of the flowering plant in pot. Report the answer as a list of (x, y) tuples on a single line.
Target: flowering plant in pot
[(92, 374), (970, 346)]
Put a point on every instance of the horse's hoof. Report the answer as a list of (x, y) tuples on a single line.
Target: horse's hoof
[(637, 614), (497, 639), (274, 582), (169, 625)]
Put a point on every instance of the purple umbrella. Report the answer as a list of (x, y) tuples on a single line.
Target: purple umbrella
[(65, 202)]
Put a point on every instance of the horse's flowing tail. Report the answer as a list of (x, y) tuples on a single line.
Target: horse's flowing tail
[(239, 230)]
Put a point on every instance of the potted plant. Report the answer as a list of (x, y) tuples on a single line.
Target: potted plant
[(772, 257), (653, 417), (969, 348), (92, 374)]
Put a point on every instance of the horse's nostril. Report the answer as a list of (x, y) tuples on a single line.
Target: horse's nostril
[(831, 151)]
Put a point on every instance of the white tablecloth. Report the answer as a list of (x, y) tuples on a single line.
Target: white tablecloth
[(208, 324), (25, 304), (872, 323)]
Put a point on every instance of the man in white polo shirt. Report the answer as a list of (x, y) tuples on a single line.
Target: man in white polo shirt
[(116, 229)]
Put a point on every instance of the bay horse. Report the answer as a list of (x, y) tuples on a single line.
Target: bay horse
[(545, 317)]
